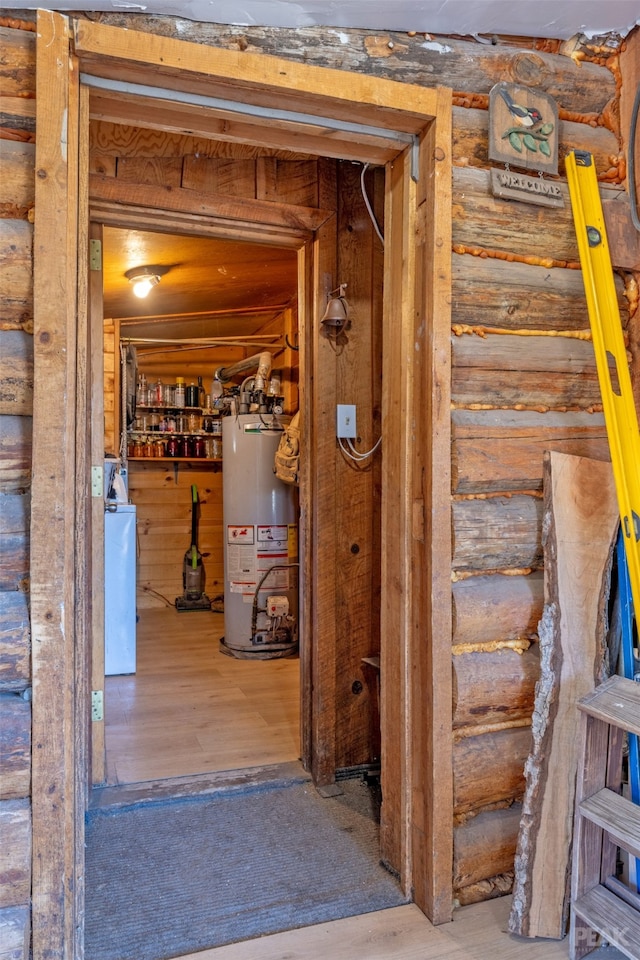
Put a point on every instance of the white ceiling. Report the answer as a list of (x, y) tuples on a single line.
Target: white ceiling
[(532, 18)]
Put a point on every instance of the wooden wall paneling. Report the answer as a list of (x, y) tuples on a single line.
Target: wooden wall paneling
[(501, 450), (289, 360), (17, 63), (471, 140), (497, 533), (229, 177), (15, 453), (163, 502), (484, 845), (540, 372), (495, 686), (489, 768), (16, 198), (355, 518), (461, 65), (490, 293), (288, 181), (156, 171), (319, 392), (15, 853), (191, 364), (15, 749), (16, 264), (15, 641), (489, 610), (54, 515)]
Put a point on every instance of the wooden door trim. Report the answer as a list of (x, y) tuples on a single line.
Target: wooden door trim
[(263, 81), (58, 782), (95, 330), (414, 648)]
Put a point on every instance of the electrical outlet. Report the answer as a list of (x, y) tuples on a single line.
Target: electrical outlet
[(346, 421)]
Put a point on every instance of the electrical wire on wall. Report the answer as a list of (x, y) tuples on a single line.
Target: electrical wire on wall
[(358, 455), (367, 203)]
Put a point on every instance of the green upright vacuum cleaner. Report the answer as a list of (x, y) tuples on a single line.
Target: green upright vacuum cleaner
[(193, 575)]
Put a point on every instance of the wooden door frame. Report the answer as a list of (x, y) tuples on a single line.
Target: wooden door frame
[(415, 603), (314, 248)]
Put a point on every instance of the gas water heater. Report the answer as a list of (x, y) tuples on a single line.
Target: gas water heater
[(261, 542)]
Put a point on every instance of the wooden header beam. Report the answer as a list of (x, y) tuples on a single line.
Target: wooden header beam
[(251, 78)]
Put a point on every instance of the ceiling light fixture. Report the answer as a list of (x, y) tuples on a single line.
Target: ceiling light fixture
[(143, 279)]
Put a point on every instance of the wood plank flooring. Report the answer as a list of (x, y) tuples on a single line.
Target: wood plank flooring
[(478, 932), (190, 709)]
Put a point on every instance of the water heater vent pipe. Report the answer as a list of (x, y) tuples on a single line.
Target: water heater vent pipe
[(260, 360)]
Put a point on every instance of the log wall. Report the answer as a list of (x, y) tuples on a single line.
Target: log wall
[(17, 135), (523, 382)]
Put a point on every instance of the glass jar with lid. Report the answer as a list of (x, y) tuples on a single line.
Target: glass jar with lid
[(178, 394)]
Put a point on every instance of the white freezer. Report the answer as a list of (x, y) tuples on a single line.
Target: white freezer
[(120, 589)]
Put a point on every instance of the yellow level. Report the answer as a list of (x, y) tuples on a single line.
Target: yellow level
[(611, 355)]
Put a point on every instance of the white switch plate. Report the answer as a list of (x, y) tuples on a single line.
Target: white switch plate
[(346, 421)]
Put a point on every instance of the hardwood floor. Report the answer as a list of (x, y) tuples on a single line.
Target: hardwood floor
[(190, 709), (404, 933)]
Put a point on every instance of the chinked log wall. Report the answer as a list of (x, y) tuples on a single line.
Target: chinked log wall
[(17, 129), (514, 396)]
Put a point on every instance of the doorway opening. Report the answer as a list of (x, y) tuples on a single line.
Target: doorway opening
[(178, 705)]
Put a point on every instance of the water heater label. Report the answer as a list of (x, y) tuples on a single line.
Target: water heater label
[(271, 534), (237, 534)]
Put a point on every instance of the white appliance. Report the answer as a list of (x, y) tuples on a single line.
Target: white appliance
[(260, 521), (119, 588)]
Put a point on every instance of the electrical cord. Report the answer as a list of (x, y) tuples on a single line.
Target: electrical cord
[(161, 596), (368, 205), (358, 455)]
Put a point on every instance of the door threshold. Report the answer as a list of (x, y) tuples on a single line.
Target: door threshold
[(154, 791)]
